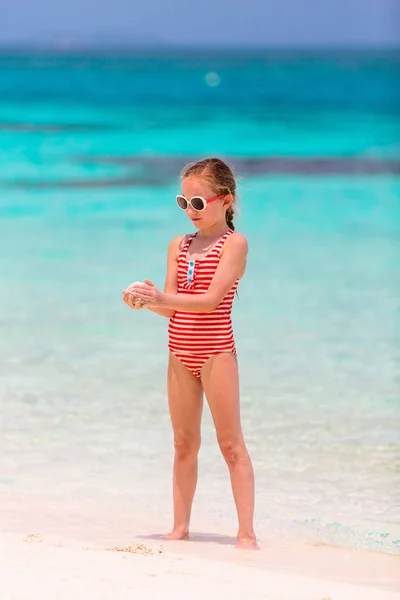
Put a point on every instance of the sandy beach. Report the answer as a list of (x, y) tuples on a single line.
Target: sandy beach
[(56, 551), (51, 567)]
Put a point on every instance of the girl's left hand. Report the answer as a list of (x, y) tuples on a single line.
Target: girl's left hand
[(147, 291)]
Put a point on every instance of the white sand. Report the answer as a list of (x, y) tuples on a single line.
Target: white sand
[(57, 549), (47, 567)]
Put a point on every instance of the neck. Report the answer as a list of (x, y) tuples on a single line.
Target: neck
[(216, 230)]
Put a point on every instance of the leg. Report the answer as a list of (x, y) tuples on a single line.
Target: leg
[(221, 384), (185, 399)]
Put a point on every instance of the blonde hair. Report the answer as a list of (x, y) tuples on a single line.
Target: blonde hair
[(221, 179)]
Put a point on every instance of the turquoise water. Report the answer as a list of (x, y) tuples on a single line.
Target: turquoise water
[(90, 152)]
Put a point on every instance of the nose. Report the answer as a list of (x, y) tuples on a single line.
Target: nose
[(190, 210)]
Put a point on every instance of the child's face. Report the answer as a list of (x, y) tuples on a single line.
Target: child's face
[(214, 212)]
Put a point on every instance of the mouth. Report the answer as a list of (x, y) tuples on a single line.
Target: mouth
[(196, 219)]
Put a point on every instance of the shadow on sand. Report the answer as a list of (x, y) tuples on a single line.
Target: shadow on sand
[(210, 538)]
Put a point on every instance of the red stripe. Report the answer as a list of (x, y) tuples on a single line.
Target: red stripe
[(185, 328), (209, 317), (200, 339), (200, 350)]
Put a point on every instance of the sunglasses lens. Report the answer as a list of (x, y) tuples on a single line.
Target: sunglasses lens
[(198, 203), (182, 202)]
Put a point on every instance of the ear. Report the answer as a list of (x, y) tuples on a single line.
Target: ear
[(228, 201)]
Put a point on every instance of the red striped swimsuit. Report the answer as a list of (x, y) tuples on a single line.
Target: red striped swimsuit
[(194, 337)]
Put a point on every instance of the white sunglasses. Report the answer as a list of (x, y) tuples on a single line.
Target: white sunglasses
[(198, 203)]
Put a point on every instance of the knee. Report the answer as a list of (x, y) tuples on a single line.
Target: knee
[(233, 450), (186, 446)]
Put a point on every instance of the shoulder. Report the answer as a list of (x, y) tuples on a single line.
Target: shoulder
[(236, 242), (176, 244)]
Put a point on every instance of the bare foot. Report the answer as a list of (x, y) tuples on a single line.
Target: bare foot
[(247, 543), (176, 534)]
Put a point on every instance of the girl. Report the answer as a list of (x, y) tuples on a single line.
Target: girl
[(203, 272)]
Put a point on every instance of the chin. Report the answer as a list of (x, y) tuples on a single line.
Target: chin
[(198, 224)]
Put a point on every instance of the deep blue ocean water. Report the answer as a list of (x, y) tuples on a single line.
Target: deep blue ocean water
[(91, 147)]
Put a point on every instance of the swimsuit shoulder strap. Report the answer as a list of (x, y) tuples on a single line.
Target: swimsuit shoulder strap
[(218, 247), (185, 246)]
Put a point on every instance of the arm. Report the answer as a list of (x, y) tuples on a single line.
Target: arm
[(230, 268), (171, 279)]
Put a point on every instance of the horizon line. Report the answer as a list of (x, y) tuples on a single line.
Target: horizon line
[(69, 46)]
